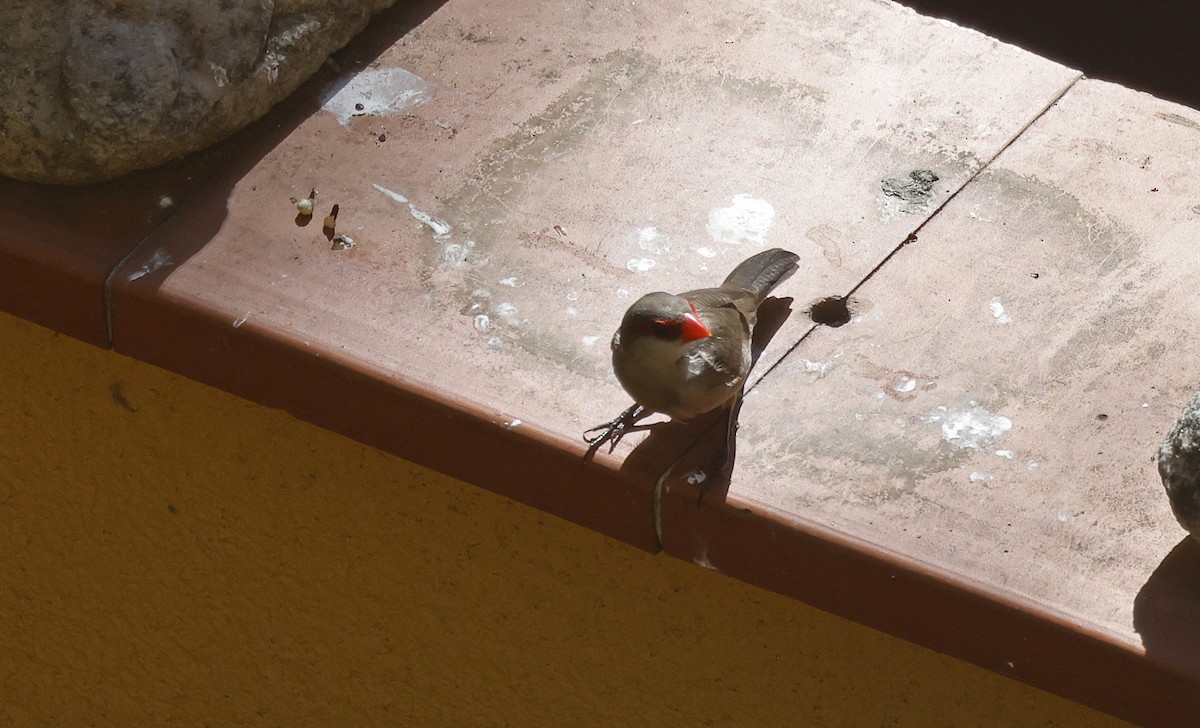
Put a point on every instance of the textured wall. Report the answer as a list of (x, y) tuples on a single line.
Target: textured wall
[(174, 555)]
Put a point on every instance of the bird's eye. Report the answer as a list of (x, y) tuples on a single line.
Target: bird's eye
[(666, 329)]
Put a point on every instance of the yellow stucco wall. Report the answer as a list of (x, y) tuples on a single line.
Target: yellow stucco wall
[(173, 555)]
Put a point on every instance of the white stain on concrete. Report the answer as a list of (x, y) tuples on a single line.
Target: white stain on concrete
[(970, 429), (746, 220), (905, 385), (376, 92), (439, 227), (455, 254), (981, 476), (506, 311), (640, 265), (652, 241), (622, 294), (157, 260), (998, 312), (706, 252), (1006, 454), (510, 282), (820, 368), (590, 340)]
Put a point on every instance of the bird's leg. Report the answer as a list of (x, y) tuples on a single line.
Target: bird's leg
[(723, 464), (613, 430)]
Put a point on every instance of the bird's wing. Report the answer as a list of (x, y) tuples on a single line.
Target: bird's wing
[(726, 297)]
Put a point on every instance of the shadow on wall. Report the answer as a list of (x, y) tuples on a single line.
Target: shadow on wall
[(1166, 612), (1146, 46)]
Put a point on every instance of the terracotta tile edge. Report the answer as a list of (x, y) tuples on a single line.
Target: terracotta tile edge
[(920, 603)]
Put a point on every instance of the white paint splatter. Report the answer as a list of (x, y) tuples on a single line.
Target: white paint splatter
[(706, 252), (394, 195), (510, 282), (376, 92), (439, 227), (696, 477), (622, 294), (506, 311), (1031, 464), (747, 220), (514, 422), (455, 254), (1062, 517), (241, 320), (640, 265), (974, 213), (906, 385), (652, 241), (1006, 454), (483, 323), (999, 313), (817, 367), (572, 296), (703, 562), (981, 476), (158, 260), (590, 340), (972, 429)]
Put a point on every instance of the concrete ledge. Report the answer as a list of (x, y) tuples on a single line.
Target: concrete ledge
[(551, 163)]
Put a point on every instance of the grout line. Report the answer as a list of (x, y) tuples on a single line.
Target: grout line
[(982, 168), (913, 235), (106, 291), (660, 484)]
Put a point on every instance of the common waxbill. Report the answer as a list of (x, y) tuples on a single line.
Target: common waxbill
[(688, 354)]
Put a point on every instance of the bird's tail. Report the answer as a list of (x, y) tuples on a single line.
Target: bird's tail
[(760, 273)]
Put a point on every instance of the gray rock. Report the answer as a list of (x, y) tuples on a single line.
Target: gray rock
[(97, 88), (1179, 466)]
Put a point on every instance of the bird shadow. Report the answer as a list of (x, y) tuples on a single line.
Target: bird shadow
[(1166, 611), (696, 447)]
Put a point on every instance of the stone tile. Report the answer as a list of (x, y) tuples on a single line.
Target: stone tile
[(558, 161), (993, 412)]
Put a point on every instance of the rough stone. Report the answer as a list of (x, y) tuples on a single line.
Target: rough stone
[(1179, 466), (98, 88)]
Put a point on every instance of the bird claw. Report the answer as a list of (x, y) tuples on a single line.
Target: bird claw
[(613, 430)]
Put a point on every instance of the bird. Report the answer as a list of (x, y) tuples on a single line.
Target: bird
[(684, 355)]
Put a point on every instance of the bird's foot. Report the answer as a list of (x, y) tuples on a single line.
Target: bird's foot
[(615, 429)]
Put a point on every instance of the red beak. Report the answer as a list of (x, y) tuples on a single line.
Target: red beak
[(692, 328)]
